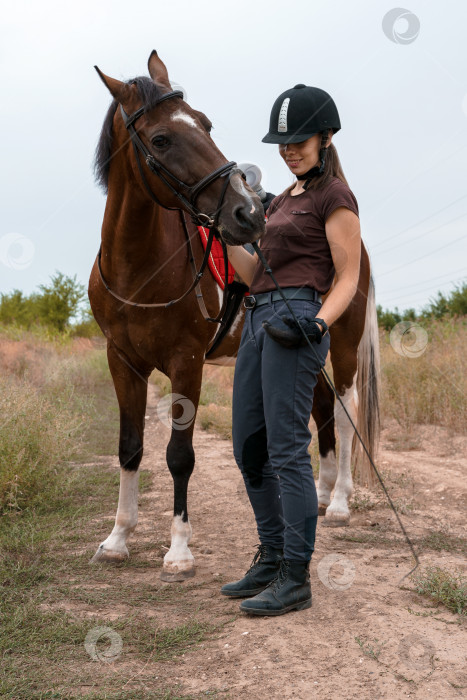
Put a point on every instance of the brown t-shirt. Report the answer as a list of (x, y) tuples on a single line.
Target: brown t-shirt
[(295, 243)]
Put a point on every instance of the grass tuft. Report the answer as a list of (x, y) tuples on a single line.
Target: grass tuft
[(442, 586)]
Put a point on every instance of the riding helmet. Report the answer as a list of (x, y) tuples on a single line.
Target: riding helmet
[(300, 113)]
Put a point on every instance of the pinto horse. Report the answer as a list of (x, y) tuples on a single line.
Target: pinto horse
[(148, 255)]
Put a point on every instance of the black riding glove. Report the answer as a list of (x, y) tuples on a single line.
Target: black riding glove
[(293, 338)]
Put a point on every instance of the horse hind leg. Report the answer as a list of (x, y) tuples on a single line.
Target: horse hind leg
[(131, 390), (323, 414), (179, 563), (338, 513)]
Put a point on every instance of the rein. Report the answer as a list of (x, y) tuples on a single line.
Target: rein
[(331, 385), (188, 202)]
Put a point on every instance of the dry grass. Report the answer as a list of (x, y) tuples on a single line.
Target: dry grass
[(214, 410), (56, 402), (432, 388), (49, 412)]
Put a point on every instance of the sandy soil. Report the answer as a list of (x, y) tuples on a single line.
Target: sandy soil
[(367, 635)]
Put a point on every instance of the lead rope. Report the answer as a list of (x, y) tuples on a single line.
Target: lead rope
[(330, 383)]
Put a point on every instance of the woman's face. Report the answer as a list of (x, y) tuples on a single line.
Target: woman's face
[(301, 157)]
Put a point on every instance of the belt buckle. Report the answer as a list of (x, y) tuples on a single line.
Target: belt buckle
[(249, 302)]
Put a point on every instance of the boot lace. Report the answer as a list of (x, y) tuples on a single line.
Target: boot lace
[(282, 575), (260, 553)]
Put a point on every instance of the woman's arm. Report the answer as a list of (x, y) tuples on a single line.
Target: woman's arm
[(343, 234), (243, 262)]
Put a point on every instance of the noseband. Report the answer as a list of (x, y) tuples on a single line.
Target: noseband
[(187, 200)]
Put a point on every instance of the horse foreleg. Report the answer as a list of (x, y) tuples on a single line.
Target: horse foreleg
[(131, 389), (179, 562), (338, 513)]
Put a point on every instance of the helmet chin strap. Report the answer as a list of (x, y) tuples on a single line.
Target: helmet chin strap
[(317, 169)]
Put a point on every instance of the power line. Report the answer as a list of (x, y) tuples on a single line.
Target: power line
[(395, 269), (425, 170), (393, 299), (390, 238), (425, 233), (433, 279)]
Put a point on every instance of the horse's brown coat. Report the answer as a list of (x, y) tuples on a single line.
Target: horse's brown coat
[(144, 259)]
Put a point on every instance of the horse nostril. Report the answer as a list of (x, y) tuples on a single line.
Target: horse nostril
[(243, 217)]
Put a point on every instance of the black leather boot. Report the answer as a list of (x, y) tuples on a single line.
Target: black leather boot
[(264, 569), (291, 590)]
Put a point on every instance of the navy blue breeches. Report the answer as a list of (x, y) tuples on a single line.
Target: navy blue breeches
[(272, 402)]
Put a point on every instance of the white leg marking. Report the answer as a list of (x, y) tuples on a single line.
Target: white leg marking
[(114, 547), (338, 511), (327, 477), (179, 563)]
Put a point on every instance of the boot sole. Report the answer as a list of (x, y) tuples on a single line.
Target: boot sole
[(274, 613), (244, 594)]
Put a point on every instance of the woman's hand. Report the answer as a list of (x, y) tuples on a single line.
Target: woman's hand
[(243, 262)]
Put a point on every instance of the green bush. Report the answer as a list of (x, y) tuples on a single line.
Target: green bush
[(388, 319), (55, 306), (442, 306)]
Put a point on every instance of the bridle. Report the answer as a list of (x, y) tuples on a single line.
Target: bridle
[(188, 202), (192, 192)]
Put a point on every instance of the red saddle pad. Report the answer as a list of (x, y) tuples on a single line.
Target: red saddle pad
[(216, 258)]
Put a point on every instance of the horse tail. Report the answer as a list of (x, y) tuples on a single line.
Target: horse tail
[(368, 388)]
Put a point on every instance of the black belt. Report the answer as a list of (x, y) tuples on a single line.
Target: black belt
[(301, 294)]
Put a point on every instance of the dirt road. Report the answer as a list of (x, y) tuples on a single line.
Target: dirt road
[(365, 636)]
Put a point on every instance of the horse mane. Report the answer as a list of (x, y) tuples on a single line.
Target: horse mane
[(149, 93)]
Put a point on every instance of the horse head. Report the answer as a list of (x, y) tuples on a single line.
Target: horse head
[(179, 164)]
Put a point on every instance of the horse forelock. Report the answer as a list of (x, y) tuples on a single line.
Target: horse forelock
[(149, 93)]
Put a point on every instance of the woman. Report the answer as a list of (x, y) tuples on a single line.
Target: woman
[(312, 242)]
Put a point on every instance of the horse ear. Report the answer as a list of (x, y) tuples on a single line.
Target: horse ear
[(120, 91), (157, 70)]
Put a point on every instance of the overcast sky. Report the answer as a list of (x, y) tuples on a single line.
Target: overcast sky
[(401, 94)]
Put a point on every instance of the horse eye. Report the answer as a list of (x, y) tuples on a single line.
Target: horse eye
[(160, 141)]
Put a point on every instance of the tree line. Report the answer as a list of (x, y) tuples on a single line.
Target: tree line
[(63, 306), (451, 305)]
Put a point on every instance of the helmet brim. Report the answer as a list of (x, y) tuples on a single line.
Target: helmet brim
[(287, 138)]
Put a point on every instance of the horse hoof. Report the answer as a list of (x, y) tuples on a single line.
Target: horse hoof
[(322, 509), (336, 520), (109, 556), (172, 576)]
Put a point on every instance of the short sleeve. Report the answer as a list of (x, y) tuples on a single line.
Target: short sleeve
[(338, 195)]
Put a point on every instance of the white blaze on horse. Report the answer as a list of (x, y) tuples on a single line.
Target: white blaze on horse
[(157, 162)]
